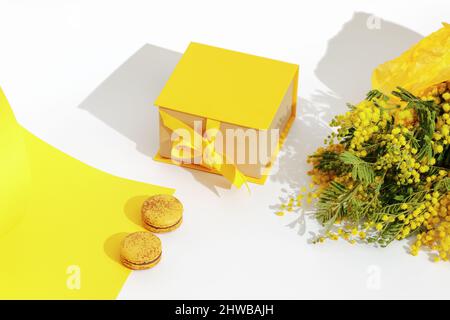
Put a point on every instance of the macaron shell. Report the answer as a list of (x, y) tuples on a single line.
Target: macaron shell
[(140, 248), (162, 230), (162, 211)]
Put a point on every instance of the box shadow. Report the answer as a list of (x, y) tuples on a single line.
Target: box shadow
[(124, 101)]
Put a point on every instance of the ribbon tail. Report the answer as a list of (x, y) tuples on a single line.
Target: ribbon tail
[(232, 174)]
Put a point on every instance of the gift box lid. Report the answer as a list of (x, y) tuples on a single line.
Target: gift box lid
[(227, 86)]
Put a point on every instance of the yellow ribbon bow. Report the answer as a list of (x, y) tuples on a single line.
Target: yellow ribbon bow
[(186, 150)]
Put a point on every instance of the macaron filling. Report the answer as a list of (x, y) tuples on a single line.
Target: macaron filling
[(142, 263), (162, 228)]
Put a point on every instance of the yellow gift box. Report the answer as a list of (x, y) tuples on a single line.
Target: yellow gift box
[(226, 112)]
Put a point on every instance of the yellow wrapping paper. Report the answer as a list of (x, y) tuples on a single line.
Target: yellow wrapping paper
[(425, 64), (61, 221)]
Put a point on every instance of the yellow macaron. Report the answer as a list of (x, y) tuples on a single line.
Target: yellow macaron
[(162, 213), (140, 250)]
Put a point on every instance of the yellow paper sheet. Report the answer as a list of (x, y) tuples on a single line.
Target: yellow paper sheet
[(61, 221)]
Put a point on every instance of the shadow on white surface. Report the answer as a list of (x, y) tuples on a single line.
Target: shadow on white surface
[(346, 69), (124, 101), (355, 51)]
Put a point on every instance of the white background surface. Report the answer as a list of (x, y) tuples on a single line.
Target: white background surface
[(56, 55)]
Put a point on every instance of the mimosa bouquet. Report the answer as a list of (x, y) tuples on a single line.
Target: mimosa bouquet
[(384, 173)]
